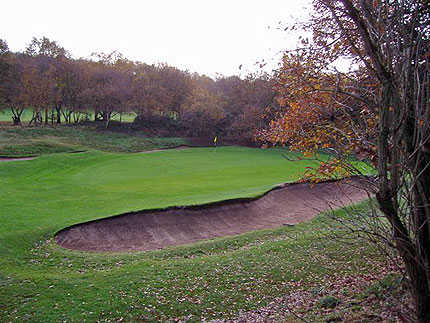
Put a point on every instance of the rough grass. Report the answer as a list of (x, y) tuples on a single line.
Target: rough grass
[(40, 281), (213, 279), (17, 141)]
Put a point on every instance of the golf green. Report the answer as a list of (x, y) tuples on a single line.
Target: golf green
[(44, 195)]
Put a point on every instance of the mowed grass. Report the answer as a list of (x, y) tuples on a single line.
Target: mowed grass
[(40, 281)]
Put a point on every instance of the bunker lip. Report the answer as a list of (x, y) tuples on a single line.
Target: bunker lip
[(286, 204)]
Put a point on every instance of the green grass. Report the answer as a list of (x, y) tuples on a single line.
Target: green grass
[(40, 281), (17, 141)]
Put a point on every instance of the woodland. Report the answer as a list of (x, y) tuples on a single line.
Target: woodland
[(165, 100)]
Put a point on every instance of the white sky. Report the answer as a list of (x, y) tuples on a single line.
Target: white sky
[(203, 36)]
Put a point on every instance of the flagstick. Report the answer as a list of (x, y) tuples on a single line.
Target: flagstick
[(215, 143)]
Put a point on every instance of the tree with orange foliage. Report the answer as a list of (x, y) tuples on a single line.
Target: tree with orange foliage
[(378, 110), (204, 109)]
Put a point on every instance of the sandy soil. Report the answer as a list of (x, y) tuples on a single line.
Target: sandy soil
[(7, 159), (182, 147), (155, 229)]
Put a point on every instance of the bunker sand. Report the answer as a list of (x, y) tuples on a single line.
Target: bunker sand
[(156, 229), (10, 159)]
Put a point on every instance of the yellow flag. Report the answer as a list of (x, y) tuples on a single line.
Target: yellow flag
[(215, 139)]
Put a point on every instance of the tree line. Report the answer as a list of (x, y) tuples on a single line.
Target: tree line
[(58, 88)]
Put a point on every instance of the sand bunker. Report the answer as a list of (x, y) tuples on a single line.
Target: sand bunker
[(181, 147), (9, 159), (155, 229)]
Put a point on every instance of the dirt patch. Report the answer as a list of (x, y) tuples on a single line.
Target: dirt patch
[(182, 147), (8, 159), (155, 229)]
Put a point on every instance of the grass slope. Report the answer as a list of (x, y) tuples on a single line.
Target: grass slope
[(17, 141), (40, 281)]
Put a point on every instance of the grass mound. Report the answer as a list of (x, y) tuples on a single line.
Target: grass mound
[(37, 141)]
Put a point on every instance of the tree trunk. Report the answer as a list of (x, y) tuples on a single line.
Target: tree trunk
[(96, 115), (106, 118), (16, 116), (58, 109), (46, 116), (421, 282), (16, 121)]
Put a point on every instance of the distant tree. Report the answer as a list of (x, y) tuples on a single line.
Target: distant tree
[(249, 102), (45, 47), (10, 72), (39, 86), (203, 111), (4, 48), (5, 67), (108, 90), (149, 94), (70, 82), (50, 56), (177, 85)]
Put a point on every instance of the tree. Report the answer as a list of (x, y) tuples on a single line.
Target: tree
[(50, 57), (248, 101), (378, 110), (203, 110), (70, 83), (5, 71), (159, 90), (12, 85), (108, 90), (4, 48), (46, 47)]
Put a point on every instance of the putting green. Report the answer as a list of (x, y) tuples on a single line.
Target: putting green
[(43, 195)]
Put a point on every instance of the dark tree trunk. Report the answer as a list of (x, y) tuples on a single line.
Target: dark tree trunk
[(106, 118), (16, 116), (16, 121), (58, 109), (413, 242), (46, 116), (421, 277)]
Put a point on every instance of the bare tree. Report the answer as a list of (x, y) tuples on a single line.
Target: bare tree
[(380, 109)]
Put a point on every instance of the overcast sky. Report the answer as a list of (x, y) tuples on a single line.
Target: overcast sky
[(201, 36)]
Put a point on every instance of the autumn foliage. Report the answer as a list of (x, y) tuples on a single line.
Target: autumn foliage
[(376, 110), (166, 100)]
